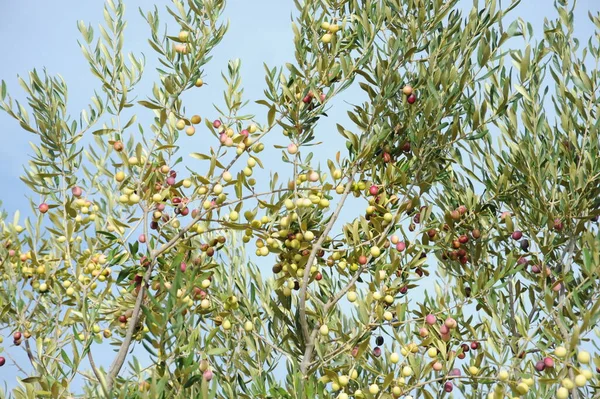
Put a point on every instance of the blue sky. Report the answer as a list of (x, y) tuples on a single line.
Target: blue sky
[(37, 34)]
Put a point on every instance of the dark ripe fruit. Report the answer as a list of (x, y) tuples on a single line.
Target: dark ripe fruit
[(319, 277), (185, 211), (296, 285), (461, 355), (548, 362), (463, 260), (377, 351), (379, 341), (411, 227), (474, 345), (516, 235), (461, 253), (417, 218), (277, 268), (431, 233), (177, 211), (122, 319), (17, 336), (387, 158), (77, 191), (217, 124), (354, 351), (404, 290), (170, 180), (405, 147), (524, 244), (454, 373), (558, 225), (43, 207), (418, 272), (467, 292), (176, 200), (476, 233), (118, 146), (446, 227), (463, 239), (540, 366), (173, 173), (362, 260), (374, 190), (401, 246), (204, 247), (411, 99), (448, 387), (2, 361), (465, 348), (210, 251)]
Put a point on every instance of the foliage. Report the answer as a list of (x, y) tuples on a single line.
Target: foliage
[(478, 181)]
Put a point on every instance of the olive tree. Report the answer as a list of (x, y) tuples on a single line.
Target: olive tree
[(449, 249)]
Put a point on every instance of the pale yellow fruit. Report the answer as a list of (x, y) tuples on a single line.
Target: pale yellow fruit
[(184, 35), (583, 357), (560, 351), (503, 375), (567, 383), (562, 393), (522, 388), (580, 380), (375, 251), (343, 380), (324, 330), (351, 295)]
